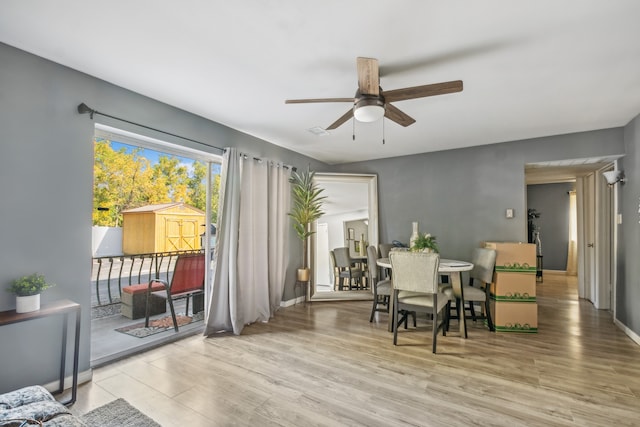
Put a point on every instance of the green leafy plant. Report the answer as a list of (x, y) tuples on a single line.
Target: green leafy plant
[(425, 241), (307, 206), (29, 285)]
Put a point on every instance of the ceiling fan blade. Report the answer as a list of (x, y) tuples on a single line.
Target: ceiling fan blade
[(393, 113), (368, 76), (422, 91), (346, 116), (306, 101)]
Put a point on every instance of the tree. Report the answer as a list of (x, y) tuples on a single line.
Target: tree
[(174, 176), (126, 179), (121, 181), (197, 189), (196, 186), (215, 198)]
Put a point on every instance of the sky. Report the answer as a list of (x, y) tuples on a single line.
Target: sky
[(153, 155)]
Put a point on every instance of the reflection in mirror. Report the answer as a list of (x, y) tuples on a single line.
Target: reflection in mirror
[(350, 220)]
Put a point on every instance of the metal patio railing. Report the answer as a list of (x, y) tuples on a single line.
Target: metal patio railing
[(109, 274)]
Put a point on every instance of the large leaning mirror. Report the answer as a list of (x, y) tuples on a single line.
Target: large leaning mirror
[(350, 221)]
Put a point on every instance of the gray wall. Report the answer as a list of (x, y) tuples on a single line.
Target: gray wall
[(46, 188), (628, 291), (552, 202), (46, 175), (461, 196)]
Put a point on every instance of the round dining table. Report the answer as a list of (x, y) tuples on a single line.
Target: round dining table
[(450, 267)]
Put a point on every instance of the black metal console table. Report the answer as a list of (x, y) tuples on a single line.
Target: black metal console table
[(62, 307)]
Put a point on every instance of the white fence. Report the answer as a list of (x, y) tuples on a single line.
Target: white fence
[(106, 241)]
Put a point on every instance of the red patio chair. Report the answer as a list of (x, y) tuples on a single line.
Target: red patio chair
[(187, 281)]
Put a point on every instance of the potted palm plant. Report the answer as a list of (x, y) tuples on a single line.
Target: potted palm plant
[(307, 208), (27, 290)]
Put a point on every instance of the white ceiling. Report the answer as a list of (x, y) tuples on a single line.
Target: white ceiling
[(345, 197), (530, 68), (566, 170)]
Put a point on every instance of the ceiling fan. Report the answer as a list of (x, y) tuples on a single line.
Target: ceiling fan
[(372, 103)]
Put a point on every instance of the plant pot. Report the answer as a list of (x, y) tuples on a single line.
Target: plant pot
[(304, 274), (28, 303)]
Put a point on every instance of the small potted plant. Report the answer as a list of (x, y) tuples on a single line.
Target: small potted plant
[(27, 290), (307, 208), (425, 243)]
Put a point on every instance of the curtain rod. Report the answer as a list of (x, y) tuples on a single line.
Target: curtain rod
[(258, 159), (84, 109)]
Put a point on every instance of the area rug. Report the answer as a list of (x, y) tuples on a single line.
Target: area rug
[(118, 414), (159, 325), (98, 312)]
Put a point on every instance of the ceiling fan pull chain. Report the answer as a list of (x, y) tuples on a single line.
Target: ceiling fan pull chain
[(383, 131), (354, 128)]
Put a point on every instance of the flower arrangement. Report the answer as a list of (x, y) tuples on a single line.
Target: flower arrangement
[(29, 285), (425, 241)]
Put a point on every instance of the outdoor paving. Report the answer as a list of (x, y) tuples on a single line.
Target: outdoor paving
[(107, 344)]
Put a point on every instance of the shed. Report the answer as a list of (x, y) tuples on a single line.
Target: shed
[(162, 228)]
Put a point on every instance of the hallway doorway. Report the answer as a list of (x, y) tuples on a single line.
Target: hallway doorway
[(595, 230)]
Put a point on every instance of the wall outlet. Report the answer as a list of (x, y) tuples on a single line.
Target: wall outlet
[(509, 213)]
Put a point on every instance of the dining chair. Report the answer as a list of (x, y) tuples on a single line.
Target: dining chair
[(335, 269), (404, 313), (348, 271), (415, 288), (384, 249), (381, 288), (478, 289)]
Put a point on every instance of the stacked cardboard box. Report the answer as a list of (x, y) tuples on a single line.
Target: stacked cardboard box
[(513, 290)]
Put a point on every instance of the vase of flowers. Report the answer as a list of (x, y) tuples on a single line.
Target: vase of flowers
[(27, 290), (425, 243)]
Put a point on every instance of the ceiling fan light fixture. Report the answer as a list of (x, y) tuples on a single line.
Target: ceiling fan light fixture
[(368, 109)]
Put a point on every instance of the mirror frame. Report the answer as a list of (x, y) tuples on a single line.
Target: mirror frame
[(372, 189)]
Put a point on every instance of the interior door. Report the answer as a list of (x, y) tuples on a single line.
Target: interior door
[(589, 242), (596, 244), (604, 236)]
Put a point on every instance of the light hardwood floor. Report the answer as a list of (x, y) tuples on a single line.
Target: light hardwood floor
[(325, 364)]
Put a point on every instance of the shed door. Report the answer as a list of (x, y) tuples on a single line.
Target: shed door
[(181, 234)]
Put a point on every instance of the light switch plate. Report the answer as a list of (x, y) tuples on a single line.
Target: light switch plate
[(509, 213)]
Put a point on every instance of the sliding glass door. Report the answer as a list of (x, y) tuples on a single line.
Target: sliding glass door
[(153, 201)]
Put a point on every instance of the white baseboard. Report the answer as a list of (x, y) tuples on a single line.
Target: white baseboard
[(634, 337), (291, 302), (83, 377)]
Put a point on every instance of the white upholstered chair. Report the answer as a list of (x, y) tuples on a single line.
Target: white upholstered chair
[(415, 288), (348, 271)]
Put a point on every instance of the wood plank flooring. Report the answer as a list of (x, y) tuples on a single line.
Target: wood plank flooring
[(325, 365)]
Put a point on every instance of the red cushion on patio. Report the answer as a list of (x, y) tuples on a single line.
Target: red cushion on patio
[(142, 288)]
